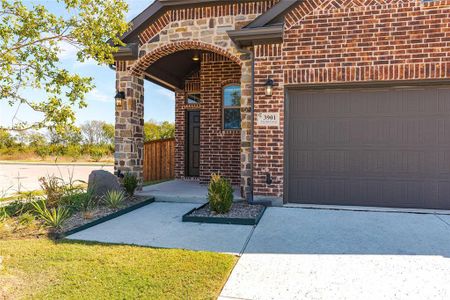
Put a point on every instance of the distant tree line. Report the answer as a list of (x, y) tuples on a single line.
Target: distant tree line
[(93, 140)]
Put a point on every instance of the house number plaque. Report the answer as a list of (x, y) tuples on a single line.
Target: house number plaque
[(268, 119)]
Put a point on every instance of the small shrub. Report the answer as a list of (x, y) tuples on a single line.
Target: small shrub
[(3, 214), (52, 217), (18, 208), (114, 199), (81, 201), (42, 152), (96, 153), (220, 194), (74, 152), (130, 183), (53, 188), (25, 219)]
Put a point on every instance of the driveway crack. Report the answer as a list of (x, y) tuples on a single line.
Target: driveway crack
[(247, 240)]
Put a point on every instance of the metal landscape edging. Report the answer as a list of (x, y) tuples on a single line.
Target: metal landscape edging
[(222, 220), (106, 218)]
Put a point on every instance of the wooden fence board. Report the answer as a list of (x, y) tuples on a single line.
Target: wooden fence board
[(159, 160)]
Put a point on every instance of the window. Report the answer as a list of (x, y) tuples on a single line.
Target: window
[(232, 107), (193, 98)]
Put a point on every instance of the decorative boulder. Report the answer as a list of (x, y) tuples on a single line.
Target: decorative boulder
[(101, 181)]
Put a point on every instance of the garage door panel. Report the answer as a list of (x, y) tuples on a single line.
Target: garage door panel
[(374, 147), (360, 162), (375, 192)]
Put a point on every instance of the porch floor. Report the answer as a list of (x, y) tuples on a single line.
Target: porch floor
[(181, 191)]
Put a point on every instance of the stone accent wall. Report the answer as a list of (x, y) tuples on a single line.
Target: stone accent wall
[(129, 136), (219, 149), (205, 28), (206, 17), (346, 42)]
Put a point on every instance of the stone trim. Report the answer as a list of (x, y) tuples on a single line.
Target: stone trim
[(149, 58)]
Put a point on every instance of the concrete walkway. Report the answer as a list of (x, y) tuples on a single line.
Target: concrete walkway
[(323, 254), (297, 253), (159, 225), (180, 191)]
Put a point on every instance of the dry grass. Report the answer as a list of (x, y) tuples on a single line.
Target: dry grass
[(31, 157)]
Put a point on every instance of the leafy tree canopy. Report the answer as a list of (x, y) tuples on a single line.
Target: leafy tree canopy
[(31, 38), (157, 131)]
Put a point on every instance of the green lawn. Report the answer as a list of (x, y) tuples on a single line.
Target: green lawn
[(43, 269)]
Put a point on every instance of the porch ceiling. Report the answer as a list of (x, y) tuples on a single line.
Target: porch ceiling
[(171, 70)]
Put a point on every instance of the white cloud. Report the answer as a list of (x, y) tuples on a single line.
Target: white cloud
[(165, 92), (67, 52), (97, 95)]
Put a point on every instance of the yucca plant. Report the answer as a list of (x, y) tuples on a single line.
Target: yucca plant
[(114, 199), (53, 217)]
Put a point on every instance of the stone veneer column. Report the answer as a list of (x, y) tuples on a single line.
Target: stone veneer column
[(246, 125), (129, 130)]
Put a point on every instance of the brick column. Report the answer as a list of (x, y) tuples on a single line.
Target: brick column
[(246, 125), (129, 130)]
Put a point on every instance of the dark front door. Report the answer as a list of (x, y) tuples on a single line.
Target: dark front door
[(370, 147), (193, 144)]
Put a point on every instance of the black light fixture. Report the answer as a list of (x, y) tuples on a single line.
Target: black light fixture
[(120, 96), (269, 86), (196, 56)]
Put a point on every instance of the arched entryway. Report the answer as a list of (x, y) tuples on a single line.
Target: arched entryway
[(212, 109)]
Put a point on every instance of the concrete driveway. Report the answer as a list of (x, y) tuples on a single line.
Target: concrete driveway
[(326, 254)]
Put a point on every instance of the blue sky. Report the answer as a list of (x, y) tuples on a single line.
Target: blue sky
[(159, 102)]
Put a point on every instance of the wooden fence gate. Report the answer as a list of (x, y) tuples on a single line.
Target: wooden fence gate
[(159, 160)]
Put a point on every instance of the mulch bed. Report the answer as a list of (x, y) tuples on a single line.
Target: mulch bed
[(12, 228), (241, 213)]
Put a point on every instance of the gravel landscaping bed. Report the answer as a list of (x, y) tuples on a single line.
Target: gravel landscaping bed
[(240, 213), (81, 218)]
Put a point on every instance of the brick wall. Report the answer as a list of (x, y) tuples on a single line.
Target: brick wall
[(219, 149), (268, 141), (386, 40), (346, 41)]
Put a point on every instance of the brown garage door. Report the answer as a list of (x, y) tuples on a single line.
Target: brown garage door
[(374, 147)]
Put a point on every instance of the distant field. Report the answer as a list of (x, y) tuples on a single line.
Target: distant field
[(30, 157), (15, 178)]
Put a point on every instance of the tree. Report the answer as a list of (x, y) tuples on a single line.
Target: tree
[(109, 133), (36, 139), (6, 139), (157, 131), (31, 38), (97, 132), (69, 136)]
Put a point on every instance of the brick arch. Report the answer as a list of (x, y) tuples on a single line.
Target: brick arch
[(229, 82), (149, 58)]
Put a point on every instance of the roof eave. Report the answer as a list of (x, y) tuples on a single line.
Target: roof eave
[(254, 36), (129, 52)]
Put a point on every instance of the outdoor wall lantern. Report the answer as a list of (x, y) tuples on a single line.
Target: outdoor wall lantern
[(269, 87), (120, 97), (196, 56)]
